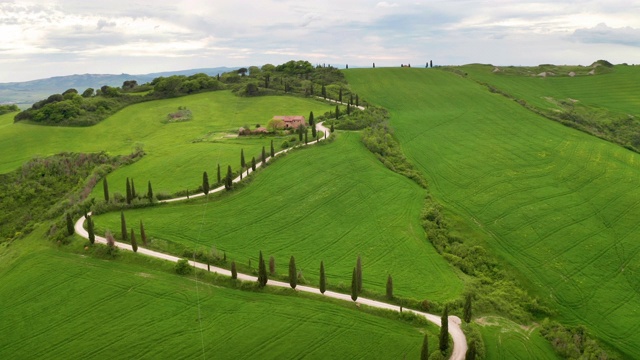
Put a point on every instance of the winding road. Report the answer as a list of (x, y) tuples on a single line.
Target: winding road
[(459, 339)]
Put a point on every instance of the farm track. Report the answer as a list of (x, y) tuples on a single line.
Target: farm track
[(459, 339)]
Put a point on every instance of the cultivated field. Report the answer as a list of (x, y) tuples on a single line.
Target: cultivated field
[(505, 339), (57, 304), (326, 203), (177, 153), (559, 205)]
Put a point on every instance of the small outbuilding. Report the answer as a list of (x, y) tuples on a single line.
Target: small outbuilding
[(291, 122)]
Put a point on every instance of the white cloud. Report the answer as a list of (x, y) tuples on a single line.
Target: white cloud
[(603, 34), (384, 4)]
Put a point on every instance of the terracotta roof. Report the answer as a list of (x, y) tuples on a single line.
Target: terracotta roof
[(289, 118)]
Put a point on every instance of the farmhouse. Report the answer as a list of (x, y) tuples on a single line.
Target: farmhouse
[(291, 122)]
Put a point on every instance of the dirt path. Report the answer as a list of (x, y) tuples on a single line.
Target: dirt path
[(459, 339)]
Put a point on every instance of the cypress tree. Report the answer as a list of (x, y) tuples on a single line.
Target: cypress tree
[(389, 287), (205, 183), (264, 156), (359, 274), (272, 265), (305, 138), (424, 353), (123, 226), (350, 99), (228, 183), (340, 95), (293, 274), (129, 196), (337, 112), (133, 190), (357, 101), (253, 163), (234, 272), (134, 243), (219, 178), (273, 151), (299, 130), (311, 120), (143, 236), (312, 124), (262, 272), (105, 188), (444, 330), (472, 352), (348, 109), (70, 230), (324, 92), (332, 129), (242, 163), (354, 285), (92, 235), (149, 192), (323, 279), (467, 309)]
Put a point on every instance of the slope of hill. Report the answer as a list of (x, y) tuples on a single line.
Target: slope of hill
[(327, 203), (61, 305), (26, 93), (559, 205)]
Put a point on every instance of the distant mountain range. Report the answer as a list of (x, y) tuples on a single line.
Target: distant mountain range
[(26, 93)]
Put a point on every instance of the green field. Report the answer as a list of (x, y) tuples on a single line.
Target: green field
[(326, 203), (60, 305), (174, 161), (559, 205), (505, 339)]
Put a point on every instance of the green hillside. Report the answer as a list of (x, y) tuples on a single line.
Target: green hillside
[(326, 203), (177, 153), (559, 205), (60, 305)]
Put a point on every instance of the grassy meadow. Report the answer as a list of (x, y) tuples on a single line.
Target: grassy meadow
[(57, 304), (177, 153), (560, 206), (326, 203), (505, 339)]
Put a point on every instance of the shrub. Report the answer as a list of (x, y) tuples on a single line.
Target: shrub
[(183, 268)]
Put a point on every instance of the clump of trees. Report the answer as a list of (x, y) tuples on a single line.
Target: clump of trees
[(5, 109)]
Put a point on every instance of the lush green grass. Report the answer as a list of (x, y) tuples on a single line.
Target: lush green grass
[(328, 202), (174, 162), (614, 91), (61, 305), (559, 205), (505, 339)]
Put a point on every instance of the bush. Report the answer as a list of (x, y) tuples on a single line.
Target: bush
[(183, 267)]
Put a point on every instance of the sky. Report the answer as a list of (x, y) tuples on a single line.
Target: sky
[(48, 38)]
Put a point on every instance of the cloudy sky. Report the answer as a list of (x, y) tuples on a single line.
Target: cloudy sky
[(49, 38)]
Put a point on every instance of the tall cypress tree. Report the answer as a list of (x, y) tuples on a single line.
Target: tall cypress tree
[(323, 279), (134, 243), (337, 112), (312, 124), (90, 230), (299, 130), (273, 151), (389, 287), (348, 109), (228, 182), (264, 156), (359, 274), (293, 274), (234, 272), (150, 192), (242, 163), (105, 188), (472, 352), (350, 99), (70, 230), (340, 95), (133, 189), (143, 236), (219, 177), (123, 226), (424, 353), (262, 272), (253, 163), (324, 92), (444, 330), (467, 309), (129, 196), (354, 286), (205, 183), (332, 128), (305, 137), (357, 101)]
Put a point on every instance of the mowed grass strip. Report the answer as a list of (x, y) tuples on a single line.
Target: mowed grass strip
[(174, 161), (58, 305), (326, 203), (559, 205)]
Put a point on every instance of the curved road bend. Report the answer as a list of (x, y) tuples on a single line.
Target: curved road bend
[(459, 339)]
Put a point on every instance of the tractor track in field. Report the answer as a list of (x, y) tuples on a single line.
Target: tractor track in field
[(459, 339)]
